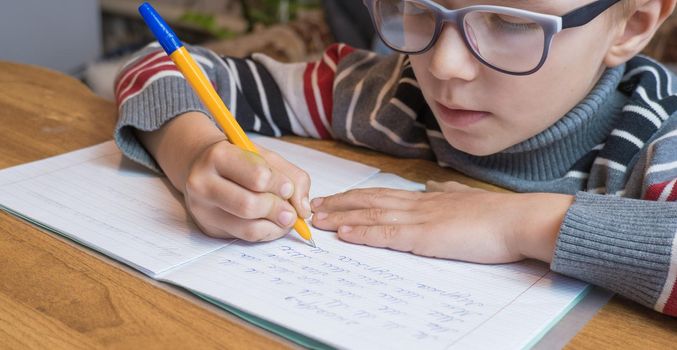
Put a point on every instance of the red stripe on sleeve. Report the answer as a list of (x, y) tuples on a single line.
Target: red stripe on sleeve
[(337, 52), (333, 52), (325, 82), (654, 191), (310, 101), (142, 78), (128, 74), (671, 305), (344, 50)]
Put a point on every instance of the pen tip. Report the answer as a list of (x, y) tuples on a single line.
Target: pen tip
[(312, 243)]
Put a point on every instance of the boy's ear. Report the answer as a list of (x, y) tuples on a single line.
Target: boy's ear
[(637, 29)]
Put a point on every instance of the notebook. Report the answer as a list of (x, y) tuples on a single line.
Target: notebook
[(338, 295)]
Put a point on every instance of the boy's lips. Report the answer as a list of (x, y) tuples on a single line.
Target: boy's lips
[(459, 118)]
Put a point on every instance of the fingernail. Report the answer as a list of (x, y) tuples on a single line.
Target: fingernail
[(345, 229), (287, 190), (306, 205), (285, 218), (321, 215), (317, 202)]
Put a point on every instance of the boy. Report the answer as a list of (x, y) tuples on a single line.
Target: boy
[(571, 118)]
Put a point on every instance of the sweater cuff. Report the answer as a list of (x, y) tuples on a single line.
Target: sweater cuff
[(157, 104), (618, 243)]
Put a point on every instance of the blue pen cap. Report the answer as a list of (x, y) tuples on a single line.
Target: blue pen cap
[(165, 35)]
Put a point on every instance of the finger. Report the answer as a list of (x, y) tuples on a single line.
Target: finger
[(240, 202), (249, 170), (219, 224), (263, 206), (367, 198), (448, 186), (363, 217), (398, 237), (300, 179)]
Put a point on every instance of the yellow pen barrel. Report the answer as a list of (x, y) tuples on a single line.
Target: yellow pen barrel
[(302, 228), (205, 91)]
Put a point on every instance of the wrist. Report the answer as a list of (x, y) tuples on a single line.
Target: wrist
[(177, 144), (543, 214)]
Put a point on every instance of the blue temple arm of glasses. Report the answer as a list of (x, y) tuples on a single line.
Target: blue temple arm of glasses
[(585, 14)]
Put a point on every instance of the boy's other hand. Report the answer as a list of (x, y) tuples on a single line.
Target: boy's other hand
[(231, 192), (450, 221)]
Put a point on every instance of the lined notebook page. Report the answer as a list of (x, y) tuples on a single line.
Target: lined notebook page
[(96, 197), (341, 294), (358, 297)]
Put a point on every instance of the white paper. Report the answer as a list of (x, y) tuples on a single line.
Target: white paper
[(345, 295), (352, 296), (108, 203)]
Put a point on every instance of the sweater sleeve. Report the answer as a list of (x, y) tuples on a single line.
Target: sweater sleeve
[(628, 245), (267, 97), (353, 95), (625, 245)]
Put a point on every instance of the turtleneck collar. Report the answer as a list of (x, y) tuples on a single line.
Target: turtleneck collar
[(550, 154)]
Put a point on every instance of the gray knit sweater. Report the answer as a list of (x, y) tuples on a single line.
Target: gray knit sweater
[(616, 150)]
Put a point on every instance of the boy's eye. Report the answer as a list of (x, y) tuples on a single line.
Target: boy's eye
[(513, 23), (409, 8)]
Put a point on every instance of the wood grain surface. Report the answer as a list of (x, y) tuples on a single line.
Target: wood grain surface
[(55, 294)]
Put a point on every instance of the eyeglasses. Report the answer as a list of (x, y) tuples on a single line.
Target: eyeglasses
[(509, 40)]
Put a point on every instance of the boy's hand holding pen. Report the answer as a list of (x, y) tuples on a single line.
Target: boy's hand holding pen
[(231, 190)]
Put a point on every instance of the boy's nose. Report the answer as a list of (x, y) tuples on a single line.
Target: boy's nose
[(451, 58)]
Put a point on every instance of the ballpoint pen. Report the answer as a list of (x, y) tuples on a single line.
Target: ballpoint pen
[(204, 89)]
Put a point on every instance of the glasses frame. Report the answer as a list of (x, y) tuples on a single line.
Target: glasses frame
[(551, 24)]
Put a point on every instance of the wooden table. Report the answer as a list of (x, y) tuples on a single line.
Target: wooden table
[(55, 294)]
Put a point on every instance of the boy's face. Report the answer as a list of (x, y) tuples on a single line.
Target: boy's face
[(482, 111)]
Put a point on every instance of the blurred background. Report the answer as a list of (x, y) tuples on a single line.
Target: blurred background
[(90, 39)]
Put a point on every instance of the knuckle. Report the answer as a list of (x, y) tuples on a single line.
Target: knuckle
[(260, 177), (375, 214), (336, 218), (215, 152), (246, 207), (195, 185), (389, 233), (300, 175), (364, 234)]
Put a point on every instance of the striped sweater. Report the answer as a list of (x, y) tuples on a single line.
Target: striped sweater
[(616, 151)]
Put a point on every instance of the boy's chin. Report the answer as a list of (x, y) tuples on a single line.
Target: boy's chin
[(473, 146), (477, 152)]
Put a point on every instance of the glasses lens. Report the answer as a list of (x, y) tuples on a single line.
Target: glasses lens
[(407, 26), (508, 42)]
